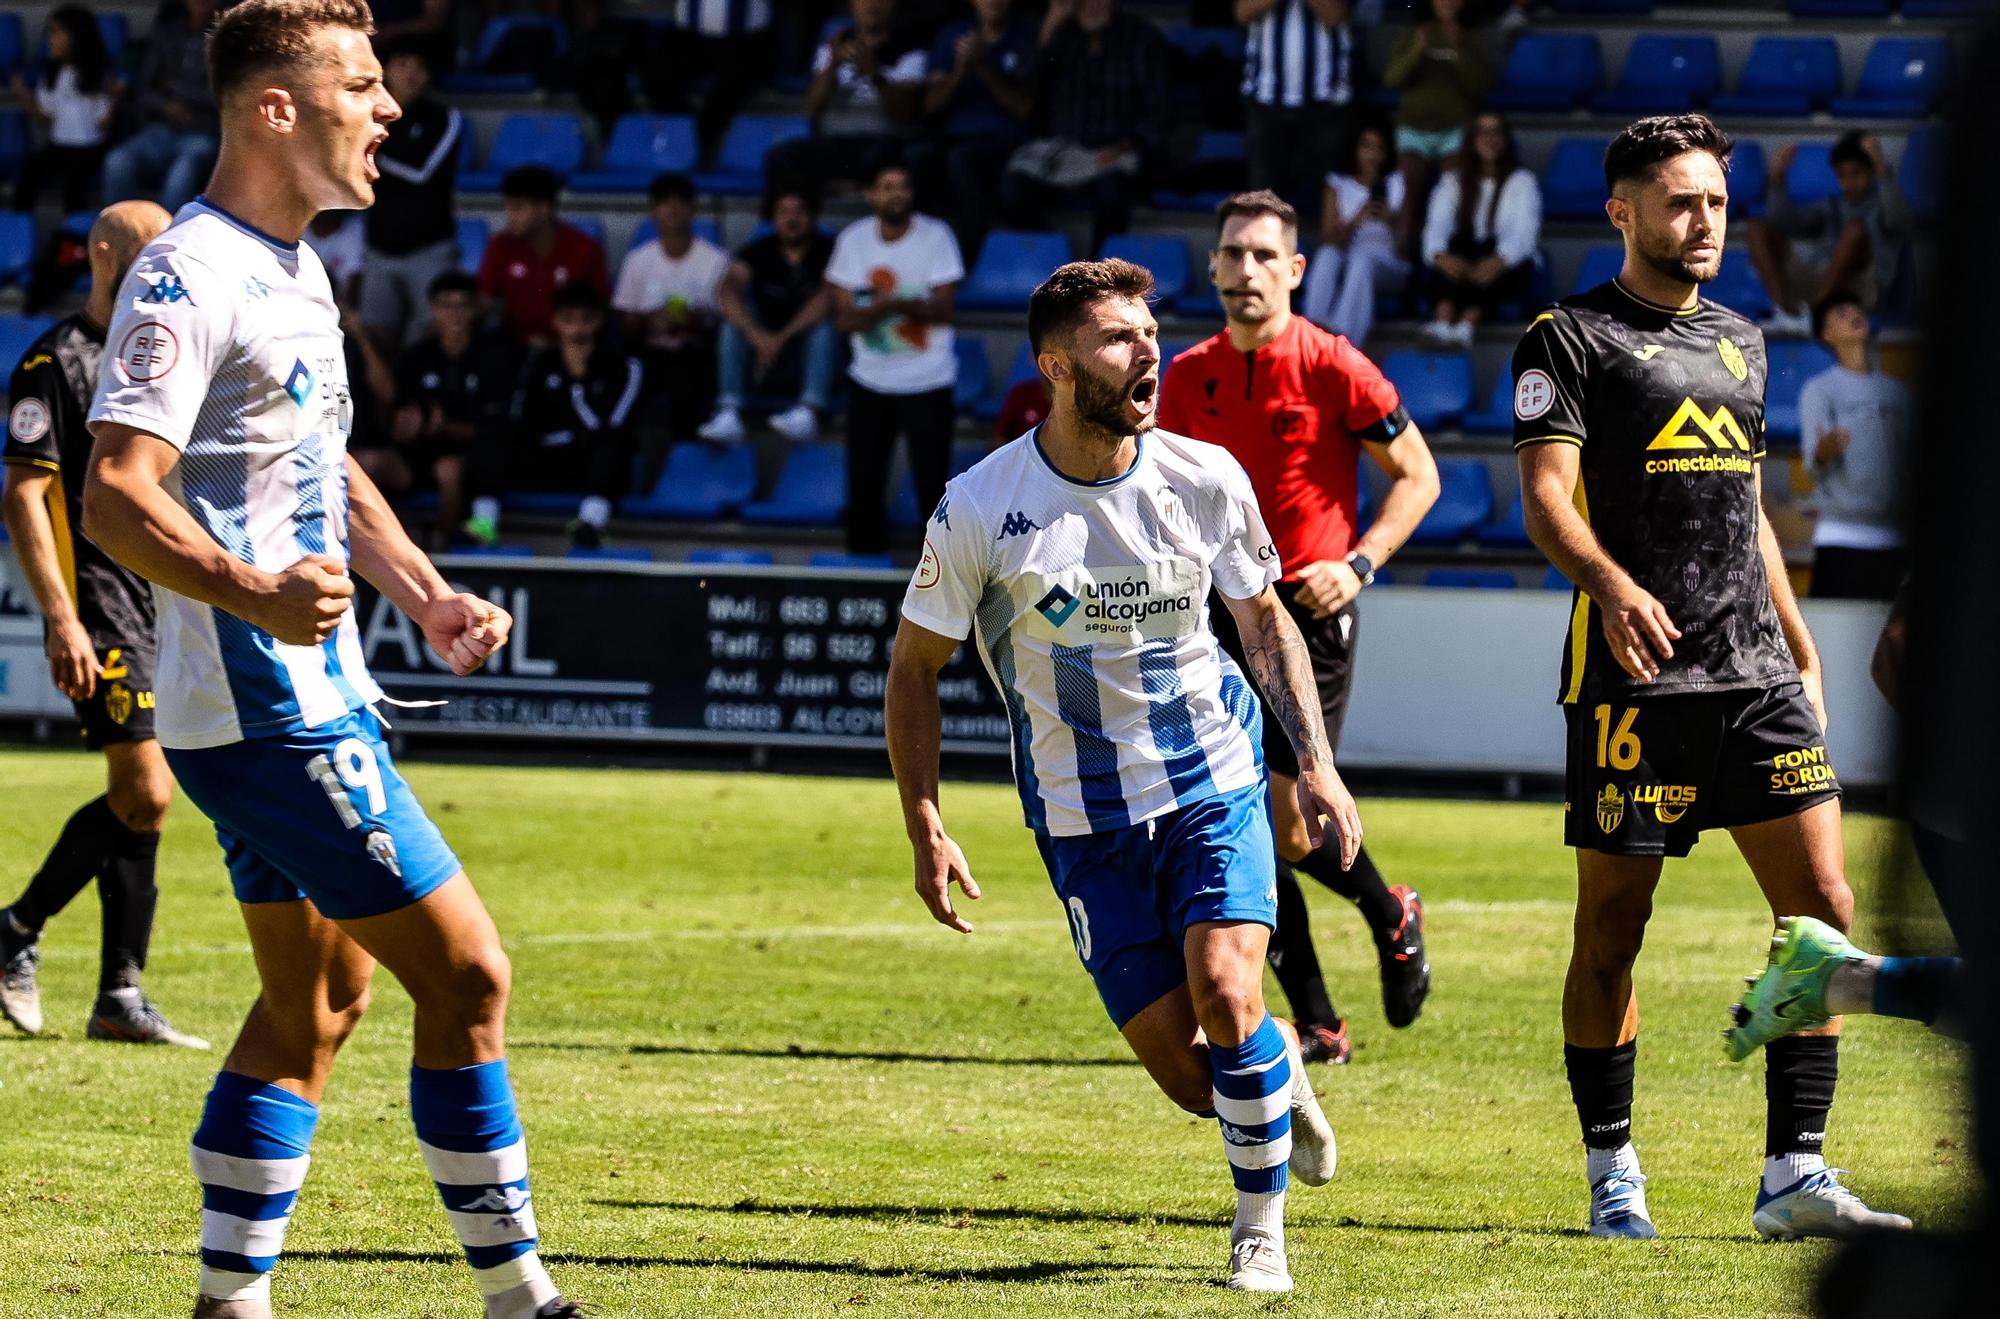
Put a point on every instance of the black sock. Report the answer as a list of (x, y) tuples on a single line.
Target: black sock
[(1361, 886), (78, 856), (1600, 1084), (1293, 959), (1799, 1075), (129, 895)]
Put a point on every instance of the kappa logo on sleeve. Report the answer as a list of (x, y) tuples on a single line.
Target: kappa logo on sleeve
[(165, 287)]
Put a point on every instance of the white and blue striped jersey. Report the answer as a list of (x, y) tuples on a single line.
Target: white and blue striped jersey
[(225, 343), (1091, 605)]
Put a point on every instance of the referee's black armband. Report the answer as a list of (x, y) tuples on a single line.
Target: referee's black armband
[(1386, 429)]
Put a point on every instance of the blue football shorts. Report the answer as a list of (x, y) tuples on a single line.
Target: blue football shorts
[(1131, 894), (321, 814)]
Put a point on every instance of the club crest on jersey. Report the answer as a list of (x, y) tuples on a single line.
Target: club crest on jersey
[(382, 848), (118, 702), (299, 384), (166, 288), (1610, 809), (1732, 357)]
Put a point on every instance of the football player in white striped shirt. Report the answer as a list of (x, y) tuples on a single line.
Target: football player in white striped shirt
[(221, 474), (1082, 555)]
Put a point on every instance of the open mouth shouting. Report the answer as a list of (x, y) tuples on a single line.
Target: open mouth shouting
[(1144, 393), (369, 168)]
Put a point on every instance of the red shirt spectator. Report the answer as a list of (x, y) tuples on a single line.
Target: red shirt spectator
[(1025, 407), (524, 281), (1292, 412)]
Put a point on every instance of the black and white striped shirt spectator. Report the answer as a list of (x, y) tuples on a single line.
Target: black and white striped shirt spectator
[(723, 18), (1305, 76)]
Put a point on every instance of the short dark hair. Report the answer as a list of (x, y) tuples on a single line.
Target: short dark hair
[(781, 188), (1847, 150), (887, 160), (534, 183), (1831, 303), (1634, 153), (1059, 302), (453, 281), (256, 36), (578, 295), (406, 48), (670, 186), (1261, 202)]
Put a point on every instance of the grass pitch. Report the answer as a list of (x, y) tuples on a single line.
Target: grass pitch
[(757, 1080)]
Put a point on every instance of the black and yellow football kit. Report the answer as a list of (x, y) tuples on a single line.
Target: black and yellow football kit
[(50, 394), (1667, 409)]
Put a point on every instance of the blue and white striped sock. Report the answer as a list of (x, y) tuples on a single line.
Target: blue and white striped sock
[(1253, 1099), (250, 1155), (472, 1144)]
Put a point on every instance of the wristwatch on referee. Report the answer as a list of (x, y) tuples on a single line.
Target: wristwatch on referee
[(1364, 567)]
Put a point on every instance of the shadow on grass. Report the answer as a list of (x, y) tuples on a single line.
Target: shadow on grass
[(816, 1053), (1037, 1271)]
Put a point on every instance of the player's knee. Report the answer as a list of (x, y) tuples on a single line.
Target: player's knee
[(476, 990), (1228, 1008), (1611, 944), (141, 804), (342, 1015)]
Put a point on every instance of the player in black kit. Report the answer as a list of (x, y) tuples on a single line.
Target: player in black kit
[(1689, 681), (99, 623)]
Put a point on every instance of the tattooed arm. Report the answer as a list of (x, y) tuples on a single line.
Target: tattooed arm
[(1283, 672)]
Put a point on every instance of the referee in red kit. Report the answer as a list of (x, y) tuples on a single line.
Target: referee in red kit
[(1298, 406)]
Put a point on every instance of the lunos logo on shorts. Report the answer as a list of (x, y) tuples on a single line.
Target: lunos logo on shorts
[(1610, 809), (1670, 801), (1135, 604)]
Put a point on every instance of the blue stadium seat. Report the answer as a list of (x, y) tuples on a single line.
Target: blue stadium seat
[(1011, 263), (1600, 265), (646, 231), (16, 333), (1738, 288), (1811, 176), (1497, 417), (117, 35), (1166, 256), (1553, 580), (1921, 172), (482, 78), (1436, 387), (811, 490), (614, 554), (1196, 42), (641, 146), (473, 231), (1471, 579), (698, 484), (1929, 9), (728, 558), (13, 44), (1214, 150), (969, 393), (543, 137), (838, 559), (1022, 368), (541, 503), (1839, 8), (1508, 531), (1792, 363), (1749, 179), (504, 550), (1784, 76), (739, 159), (1549, 71), (1573, 186), (1903, 77), (1664, 75), (17, 251), (13, 141), (1464, 503)]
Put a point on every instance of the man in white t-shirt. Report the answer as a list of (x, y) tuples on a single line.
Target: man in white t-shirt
[(1854, 423), (865, 99), (666, 294), (1079, 559), (895, 279)]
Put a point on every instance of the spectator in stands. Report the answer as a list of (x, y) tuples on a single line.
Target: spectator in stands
[(423, 24), (777, 330), (336, 238), (412, 229), (1481, 233), (177, 139), (608, 50), (1855, 424), (1305, 74), (72, 100), (895, 277), (1441, 70), (980, 96), (571, 426), (1858, 239), (866, 92), (451, 390), (723, 50), (535, 256), (1105, 111), (667, 296), (1358, 260)]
